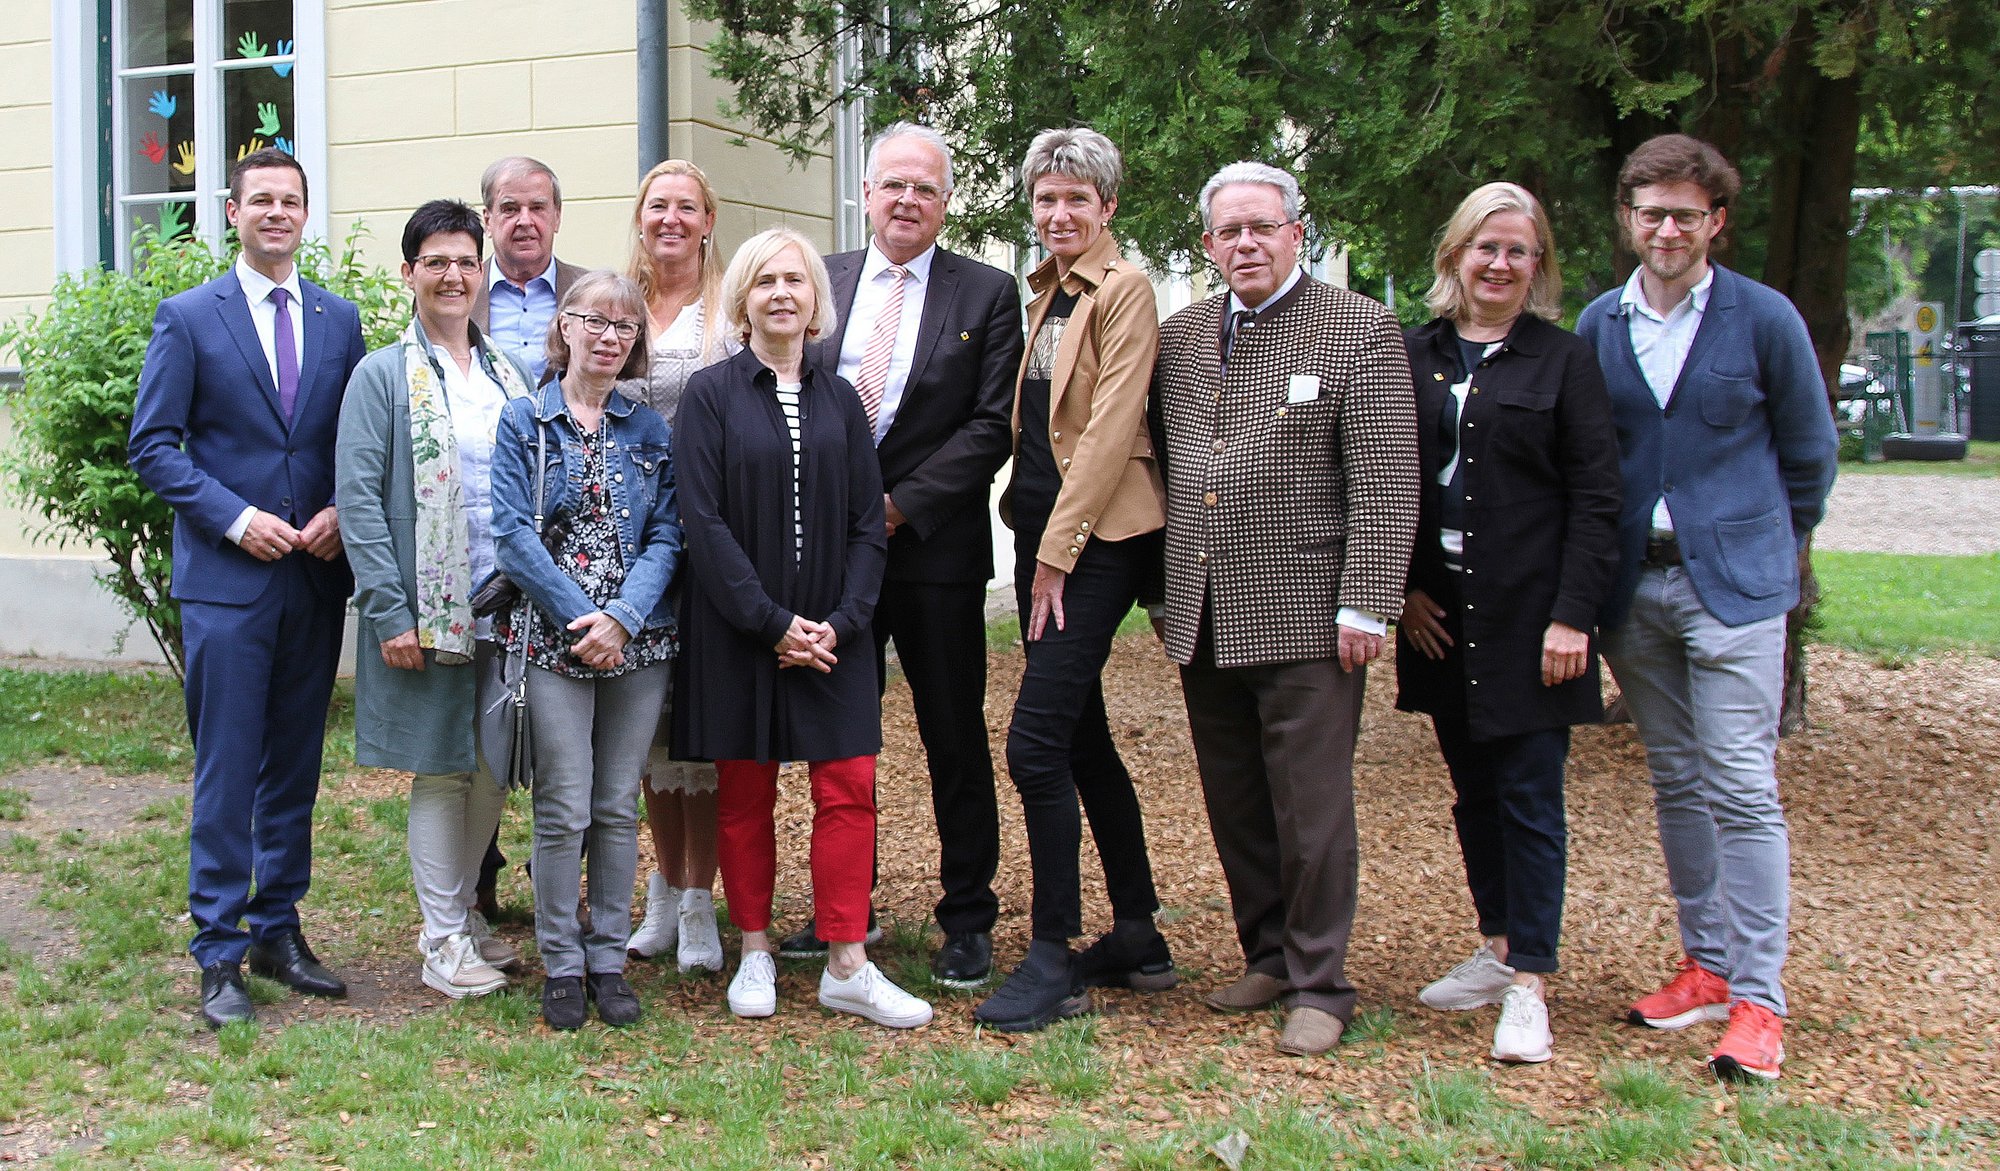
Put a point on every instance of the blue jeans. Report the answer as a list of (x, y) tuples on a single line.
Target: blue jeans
[(1059, 744), (1705, 698)]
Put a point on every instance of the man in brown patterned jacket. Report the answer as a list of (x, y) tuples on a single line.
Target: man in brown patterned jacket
[(1288, 433)]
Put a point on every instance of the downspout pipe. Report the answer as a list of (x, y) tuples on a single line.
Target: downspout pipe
[(653, 82)]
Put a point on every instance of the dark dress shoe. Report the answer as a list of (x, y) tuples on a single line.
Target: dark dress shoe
[(224, 999), (617, 1004), (805, 944), (284, 957), (965, 960), (563, 1006), (1042, 991)]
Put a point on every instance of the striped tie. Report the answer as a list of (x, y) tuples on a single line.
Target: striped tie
[(873, 376)]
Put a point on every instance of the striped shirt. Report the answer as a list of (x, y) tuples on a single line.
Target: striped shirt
[(788, 402)]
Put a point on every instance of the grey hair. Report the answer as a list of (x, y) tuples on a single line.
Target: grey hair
[(910, 130), (1076, 151), (1248, 172), (511, 167)]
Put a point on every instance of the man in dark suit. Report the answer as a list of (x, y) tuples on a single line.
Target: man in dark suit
[(233, 427), (1289, 436), (931, 341), (524, 281)]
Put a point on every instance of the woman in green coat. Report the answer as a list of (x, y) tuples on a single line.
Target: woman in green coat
[(412, 480)]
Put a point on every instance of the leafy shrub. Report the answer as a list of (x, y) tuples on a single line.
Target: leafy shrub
[(80, 359)]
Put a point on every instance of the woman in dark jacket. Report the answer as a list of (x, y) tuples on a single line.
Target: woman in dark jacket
[(781, 497), (1515, 550)]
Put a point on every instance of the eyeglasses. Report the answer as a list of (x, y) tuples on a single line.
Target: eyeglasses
[(1488, 252), (437, 265), (595, 325), (1263, 231), (1687, 219), (921, 192)]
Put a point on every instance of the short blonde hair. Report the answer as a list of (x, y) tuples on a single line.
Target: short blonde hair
[(640, 264), (1447, 295), (1077, 152), (750, 259), (601, 290)]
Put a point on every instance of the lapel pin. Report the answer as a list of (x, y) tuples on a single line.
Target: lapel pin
[(319, 308), (1439, 377), (965, 337)]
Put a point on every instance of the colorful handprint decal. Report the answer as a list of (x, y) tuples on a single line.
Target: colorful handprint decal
[(151, 147), (249, 45), (184, 157), (172, 220), (283, 68), (267, 118), (163, 104), (249, 148), (284, 144)]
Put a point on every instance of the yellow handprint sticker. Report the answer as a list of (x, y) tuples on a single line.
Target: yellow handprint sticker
[(184, 157), (249, 148)]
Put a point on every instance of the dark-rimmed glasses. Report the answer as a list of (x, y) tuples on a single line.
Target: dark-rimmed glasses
[(595, 324)]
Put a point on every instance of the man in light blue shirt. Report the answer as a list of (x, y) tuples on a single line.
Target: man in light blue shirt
[(524, 280)]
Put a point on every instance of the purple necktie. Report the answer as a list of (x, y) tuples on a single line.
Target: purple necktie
[(287, 351)]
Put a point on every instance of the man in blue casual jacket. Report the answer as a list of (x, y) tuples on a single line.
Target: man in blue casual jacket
[(1726, 445)]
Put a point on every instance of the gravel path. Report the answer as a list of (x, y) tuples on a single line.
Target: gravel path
[(1912, 514)]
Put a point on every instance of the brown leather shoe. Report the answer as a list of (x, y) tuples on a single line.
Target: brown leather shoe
[(1250, 992), (1310, 1032)]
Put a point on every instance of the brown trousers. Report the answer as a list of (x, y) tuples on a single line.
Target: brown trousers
[(1275, 748)]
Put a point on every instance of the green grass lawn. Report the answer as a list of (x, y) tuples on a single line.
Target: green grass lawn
[(1899, 606), (1981, 459)]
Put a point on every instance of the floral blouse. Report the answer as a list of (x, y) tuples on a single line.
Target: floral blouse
[(587, 550)]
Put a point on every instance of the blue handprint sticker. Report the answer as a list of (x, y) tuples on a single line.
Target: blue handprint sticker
[(163, 104), (283, 69), (284, 144)]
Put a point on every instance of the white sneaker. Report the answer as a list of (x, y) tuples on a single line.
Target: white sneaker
[(754, 991), (868, 993), (455, 969), (661, 926), (1476, 983), (1523, 1032), (701, 944), (493, 949)]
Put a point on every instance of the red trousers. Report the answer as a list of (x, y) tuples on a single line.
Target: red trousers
[(843, 843)]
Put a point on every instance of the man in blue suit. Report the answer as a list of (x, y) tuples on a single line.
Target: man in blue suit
[(1726, 444), (233, 427)]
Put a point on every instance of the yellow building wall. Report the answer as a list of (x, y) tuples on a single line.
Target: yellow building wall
[(423, 94), (27, 181)]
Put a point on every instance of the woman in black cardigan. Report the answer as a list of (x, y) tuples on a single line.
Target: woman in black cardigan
[(781, 503), (1515, 550)]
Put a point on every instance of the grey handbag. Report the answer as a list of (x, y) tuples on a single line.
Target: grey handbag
[(506, 745)]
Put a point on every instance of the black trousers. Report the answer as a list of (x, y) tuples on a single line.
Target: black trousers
[(940, 635), (1059, 744), (1513, 834)]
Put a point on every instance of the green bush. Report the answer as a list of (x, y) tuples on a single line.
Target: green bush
[(80, 360)]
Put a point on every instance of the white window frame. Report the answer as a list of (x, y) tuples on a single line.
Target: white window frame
[(85, 196)]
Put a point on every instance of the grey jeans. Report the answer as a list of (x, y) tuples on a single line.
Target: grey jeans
[(591, 737), (1705, 699)]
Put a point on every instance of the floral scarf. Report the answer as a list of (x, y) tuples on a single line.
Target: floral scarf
[(444, 560)]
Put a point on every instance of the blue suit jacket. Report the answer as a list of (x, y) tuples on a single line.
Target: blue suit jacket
[(1743, 450), (209, 436)]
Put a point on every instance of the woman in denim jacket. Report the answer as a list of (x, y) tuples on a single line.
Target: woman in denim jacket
[(599, 633)]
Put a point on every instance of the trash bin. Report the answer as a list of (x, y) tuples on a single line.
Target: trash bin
[(1979, 348)]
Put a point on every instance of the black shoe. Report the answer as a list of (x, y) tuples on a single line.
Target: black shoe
[(284, 957), (224, 999), (965, 960), (617, 1004), (1131, 955), (1043, 990), (806, 944), (563, 1005)]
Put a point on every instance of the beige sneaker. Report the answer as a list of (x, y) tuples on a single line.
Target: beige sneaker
[(493, 949), (455, 969)]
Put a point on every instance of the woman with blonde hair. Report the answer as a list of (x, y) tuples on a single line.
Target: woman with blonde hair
[(1516, 546), (675, 263), (782, 503)]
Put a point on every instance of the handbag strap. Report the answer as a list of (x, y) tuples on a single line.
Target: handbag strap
[(527, 604)]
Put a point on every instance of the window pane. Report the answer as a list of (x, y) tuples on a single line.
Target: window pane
[(256, 112), (159, 117), (172, 217), (256, 28), (159, 32)]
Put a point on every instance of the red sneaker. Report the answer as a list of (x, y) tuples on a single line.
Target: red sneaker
[(1695, 994), (1753, 1046)]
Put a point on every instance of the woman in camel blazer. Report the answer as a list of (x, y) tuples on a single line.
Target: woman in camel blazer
[(1087, 509)]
